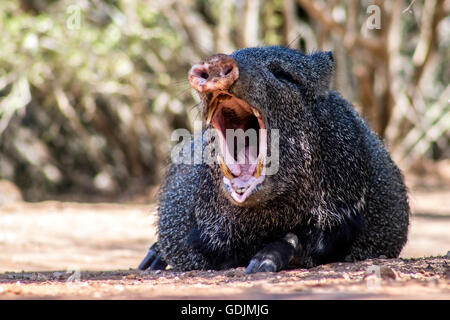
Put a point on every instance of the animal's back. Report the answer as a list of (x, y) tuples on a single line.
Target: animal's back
[(385, 209)]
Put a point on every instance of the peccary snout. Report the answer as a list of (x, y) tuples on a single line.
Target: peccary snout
[(218, 72)]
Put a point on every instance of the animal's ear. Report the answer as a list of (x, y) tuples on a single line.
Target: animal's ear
[(324, 59), (323, 66), (330, 55)]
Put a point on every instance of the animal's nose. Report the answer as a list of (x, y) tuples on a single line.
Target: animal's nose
[(218, 72)]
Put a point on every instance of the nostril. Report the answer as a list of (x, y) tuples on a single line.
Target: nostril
[(228, 70), (198, 71)]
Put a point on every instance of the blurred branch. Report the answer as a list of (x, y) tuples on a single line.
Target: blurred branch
[(290, 24), (248, 17), (432, 14), (324, 17), (68, 111), (17, 100), (393, 82), (224, 18), (435, 123), (198, 32), (351, 26), (409, 6)]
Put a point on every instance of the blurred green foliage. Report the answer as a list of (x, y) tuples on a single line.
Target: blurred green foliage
[(87, 110), (90, 90)]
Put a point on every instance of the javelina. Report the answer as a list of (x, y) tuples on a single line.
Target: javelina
[(337, 195)]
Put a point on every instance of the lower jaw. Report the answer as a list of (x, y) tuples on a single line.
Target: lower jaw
[(245, 198), (251, 202)]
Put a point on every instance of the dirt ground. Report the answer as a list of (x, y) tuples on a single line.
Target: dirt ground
[(66, 250)]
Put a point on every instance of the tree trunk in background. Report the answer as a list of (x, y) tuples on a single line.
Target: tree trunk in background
[(248, 23), (224, 21)]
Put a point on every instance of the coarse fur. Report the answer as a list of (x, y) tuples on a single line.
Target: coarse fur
[(337, 196)]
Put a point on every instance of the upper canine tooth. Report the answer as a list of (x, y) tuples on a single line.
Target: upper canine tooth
[(259, 166), (211, 110), (225, 170), (256, 113)]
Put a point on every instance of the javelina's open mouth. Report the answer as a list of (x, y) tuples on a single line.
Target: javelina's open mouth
[(243, 143)]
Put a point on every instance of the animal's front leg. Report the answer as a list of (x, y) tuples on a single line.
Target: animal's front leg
[(153, 260), (275, 256)]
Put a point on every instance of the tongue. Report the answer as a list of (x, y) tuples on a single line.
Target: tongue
[(247, 160), (245, 164)]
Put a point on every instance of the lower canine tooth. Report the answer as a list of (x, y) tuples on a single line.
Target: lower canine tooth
[(225, 170)]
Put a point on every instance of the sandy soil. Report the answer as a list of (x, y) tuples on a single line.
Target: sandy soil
[(380, 278), (65, 250)]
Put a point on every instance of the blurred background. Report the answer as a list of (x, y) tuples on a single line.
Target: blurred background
[(91, 90)]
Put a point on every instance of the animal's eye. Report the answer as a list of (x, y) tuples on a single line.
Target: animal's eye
[(281, 74)]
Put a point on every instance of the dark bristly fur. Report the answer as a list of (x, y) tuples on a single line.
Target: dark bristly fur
[(336, 197)]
